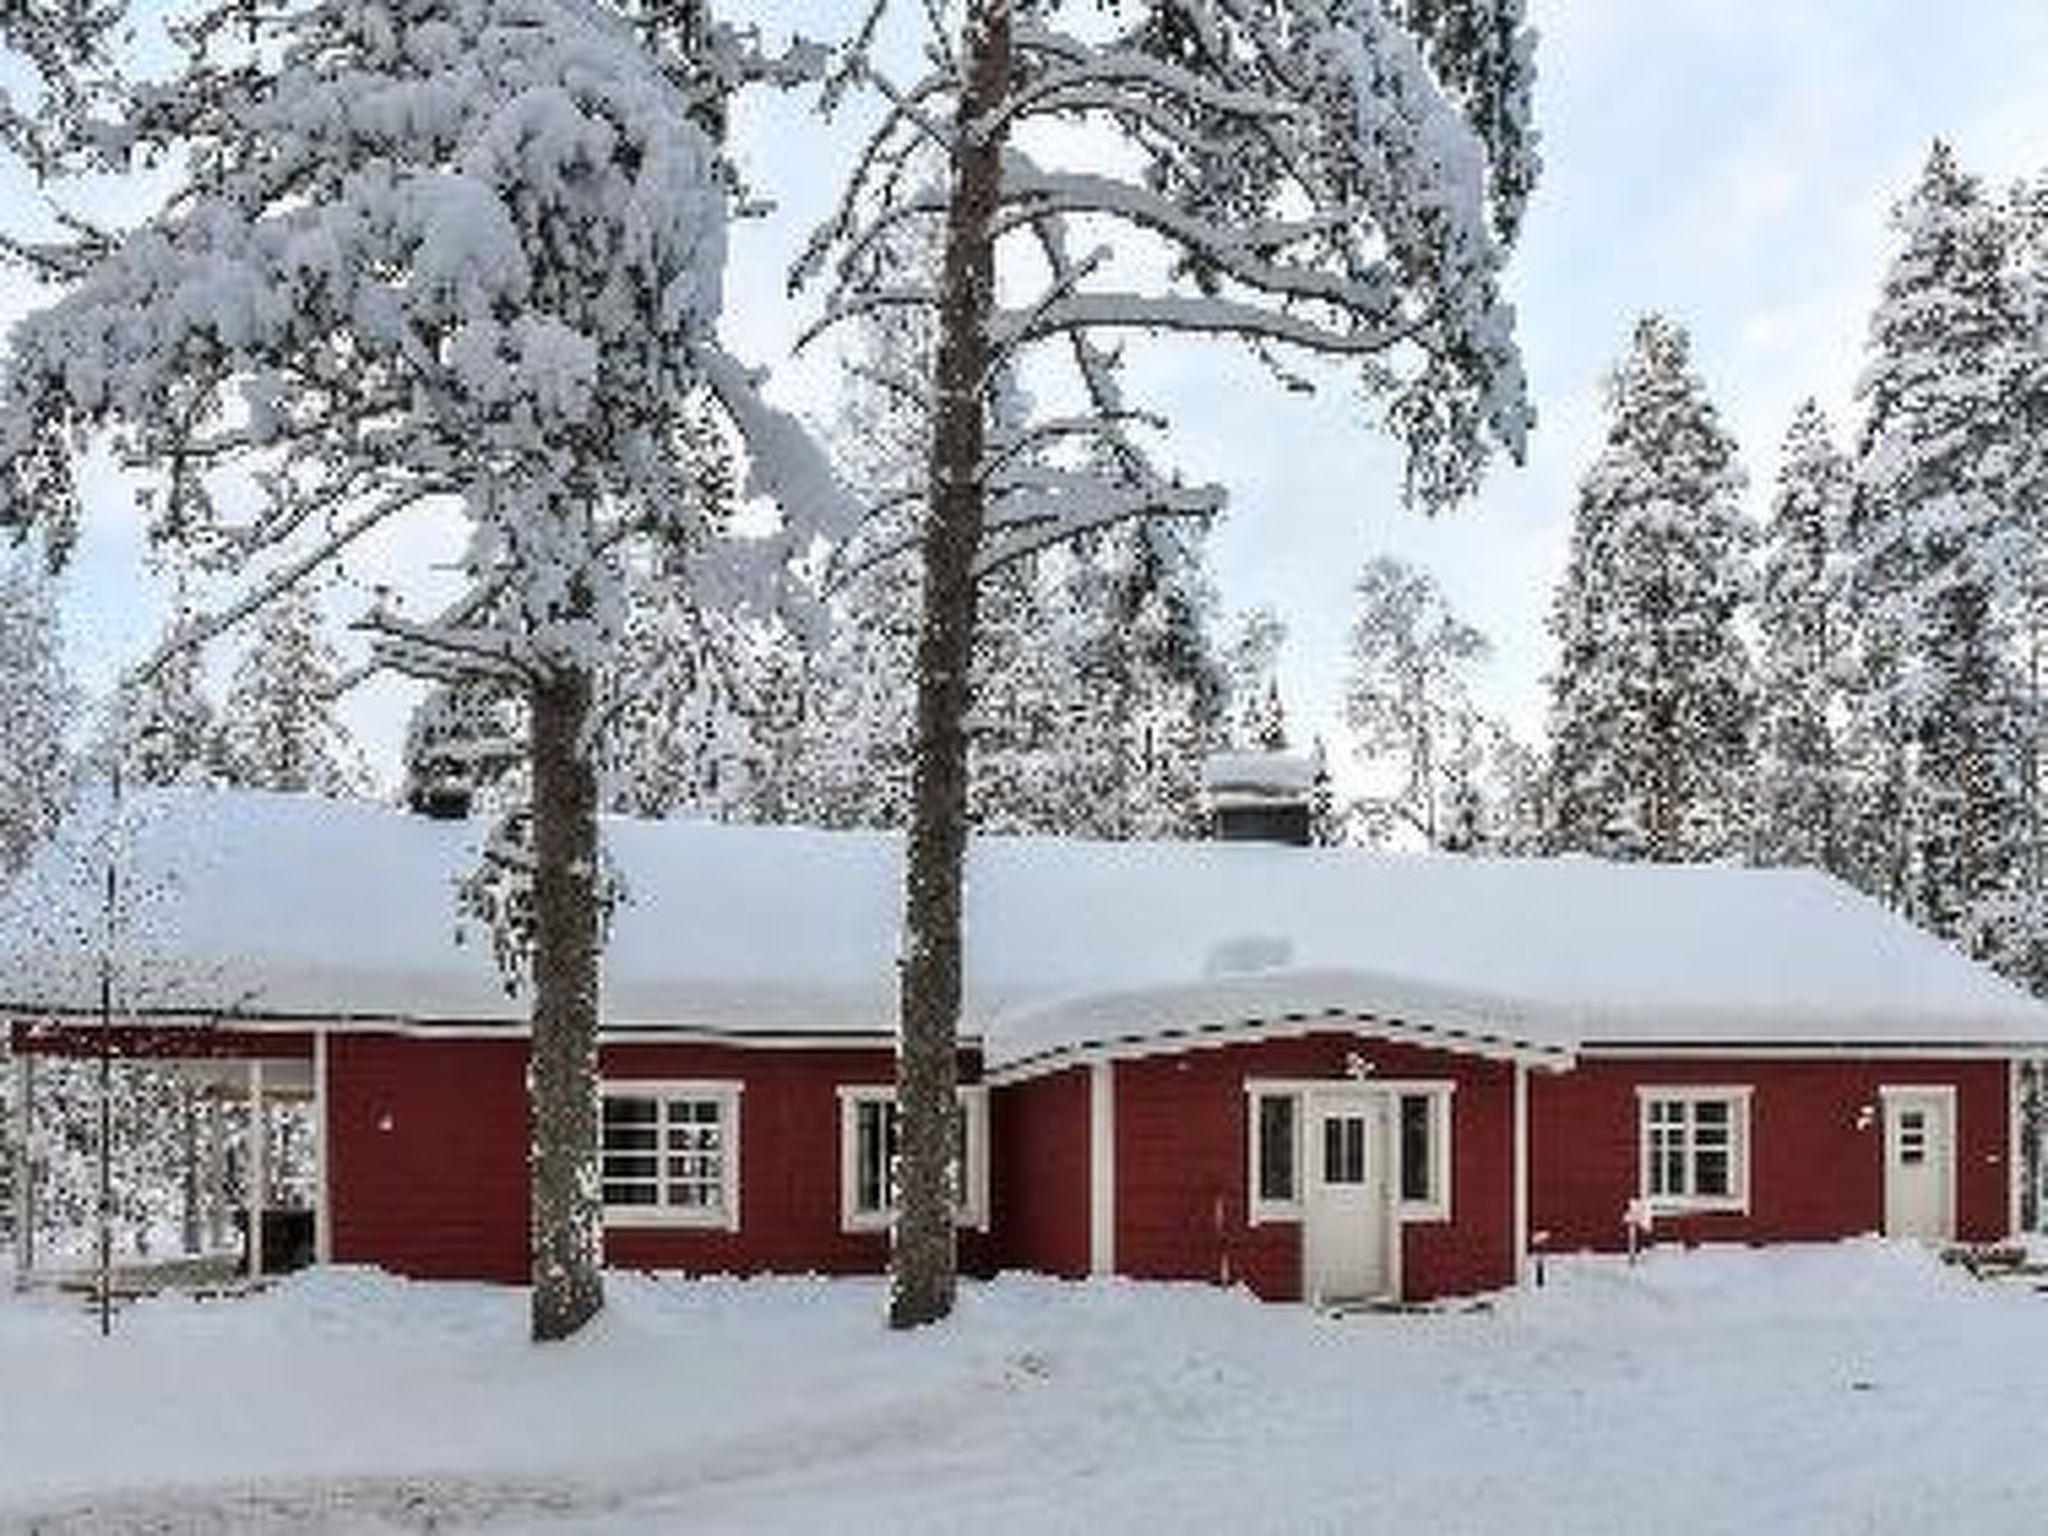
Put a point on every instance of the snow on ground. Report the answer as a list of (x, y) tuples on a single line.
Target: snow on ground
[(1860, 1388)]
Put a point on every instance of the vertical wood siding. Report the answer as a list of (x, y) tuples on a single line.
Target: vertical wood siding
[(1816, 1148), (1181, 1167), (1039, 1135), (427, 1141), (429, 1137)]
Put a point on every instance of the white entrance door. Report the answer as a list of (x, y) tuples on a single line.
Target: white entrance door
[(1919, 1162), (1347, 1235)]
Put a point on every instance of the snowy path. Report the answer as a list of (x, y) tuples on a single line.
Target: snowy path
[(1853, 1389)]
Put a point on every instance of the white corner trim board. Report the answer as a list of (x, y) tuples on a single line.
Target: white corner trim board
[(1521, 1192), (1102, 1168), (323, 1181)]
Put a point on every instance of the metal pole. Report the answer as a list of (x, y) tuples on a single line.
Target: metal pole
[(112, 893), (323, 1211), (216, 1172), (188, 1170), (259, 1168), (24, 1170)]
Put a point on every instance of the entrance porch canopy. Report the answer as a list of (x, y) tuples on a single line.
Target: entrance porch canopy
[(227, 1065)]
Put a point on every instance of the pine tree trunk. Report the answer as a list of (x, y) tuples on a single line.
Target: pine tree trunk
[(568, 1285), (923, 1258)]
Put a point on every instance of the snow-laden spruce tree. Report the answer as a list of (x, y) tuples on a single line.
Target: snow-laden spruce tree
[(1254, 718), (1408, 702), (705, 711), (1144, 683), (161, 727), (460, 741), (2016, 924), (1092, 675), (465, 253), (279, 728), (1651, 701), (1804, 629), (857, 749), (1309, 178), (38, 708), (1096, 699), (1944, 553), (703, 702)]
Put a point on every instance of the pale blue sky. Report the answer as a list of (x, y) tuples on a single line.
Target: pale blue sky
[(1728, 161)]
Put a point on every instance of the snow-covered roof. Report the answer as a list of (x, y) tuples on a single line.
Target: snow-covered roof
[(280, 905), (1259, 775)]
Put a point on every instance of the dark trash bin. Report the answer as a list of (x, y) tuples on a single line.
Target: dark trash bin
[(287, 1240)]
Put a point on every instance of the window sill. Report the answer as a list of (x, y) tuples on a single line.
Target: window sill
[(965, 1221), (1715, 1205), (1419, 1212), (1275, 1214), (631, 1217)]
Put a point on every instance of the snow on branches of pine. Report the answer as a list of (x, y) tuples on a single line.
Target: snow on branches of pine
[(37, 702), (437, 248), (1939, 445), (64, 46), (1311, 181)]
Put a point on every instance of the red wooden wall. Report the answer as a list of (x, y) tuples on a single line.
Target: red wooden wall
[(1816, 1148), (428, 1140), (1181, 1167), (428, 1137), (426, 1145), (789, 1164), (1039, 1141)]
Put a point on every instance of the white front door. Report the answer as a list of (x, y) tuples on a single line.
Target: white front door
[(1919, 1162), (1348, 1232)]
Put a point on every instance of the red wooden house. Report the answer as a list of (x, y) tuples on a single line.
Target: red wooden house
[(1316, 1072)]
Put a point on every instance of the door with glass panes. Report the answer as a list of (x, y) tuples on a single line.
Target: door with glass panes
[(1348, 1197), (1918, 1164)]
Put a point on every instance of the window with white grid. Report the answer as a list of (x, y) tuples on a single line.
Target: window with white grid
[(669, 1154), (867, 1158), (1695, 1148)]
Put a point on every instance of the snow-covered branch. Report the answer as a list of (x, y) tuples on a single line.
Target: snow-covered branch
[(1195, 316)]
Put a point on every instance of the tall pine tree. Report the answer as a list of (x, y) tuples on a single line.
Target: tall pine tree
[(1335, 181), (163, 729), (1800, 814), (1651, 702), (503, 297), (1255, 719), (279, 728), (1941, 555)]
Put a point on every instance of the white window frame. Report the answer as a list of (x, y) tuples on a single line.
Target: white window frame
[(973, 1209), (1260, 1211), (1737, 1098), (1437, 1207), (723, 1092)]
